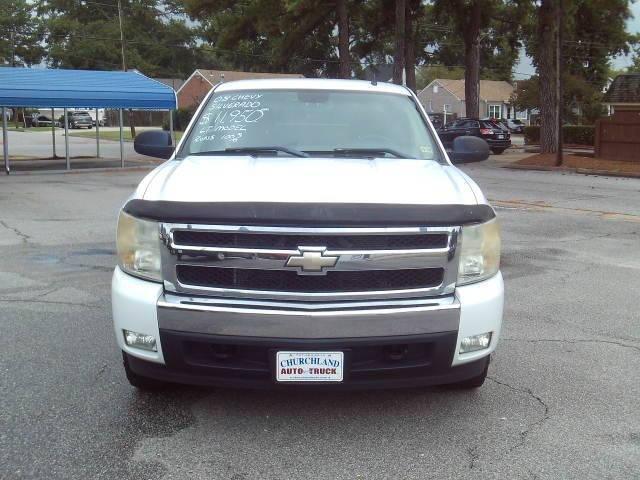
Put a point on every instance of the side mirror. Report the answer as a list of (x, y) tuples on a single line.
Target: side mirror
[(467, 149), (154, 143)]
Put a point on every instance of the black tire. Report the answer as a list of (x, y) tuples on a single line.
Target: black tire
[(140, 382), (497, 151), (471, 383), (90, 127)]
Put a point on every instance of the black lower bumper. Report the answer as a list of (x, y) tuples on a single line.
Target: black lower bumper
[(499, 143), (388, 362)]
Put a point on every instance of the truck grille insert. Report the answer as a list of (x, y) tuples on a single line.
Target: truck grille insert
[(365, 262), (290, 281), (332, 242)]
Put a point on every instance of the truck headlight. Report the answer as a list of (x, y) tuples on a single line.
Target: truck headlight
[(138, 244), (479, 252)]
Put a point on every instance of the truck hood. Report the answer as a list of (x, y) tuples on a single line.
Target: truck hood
[(307, 180)]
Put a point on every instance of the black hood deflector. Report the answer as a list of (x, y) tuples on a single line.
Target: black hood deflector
[(309, 214)]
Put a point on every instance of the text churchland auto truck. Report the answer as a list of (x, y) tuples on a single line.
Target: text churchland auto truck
[(308, 233)]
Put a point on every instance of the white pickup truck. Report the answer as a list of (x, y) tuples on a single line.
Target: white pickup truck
[(308, 233)]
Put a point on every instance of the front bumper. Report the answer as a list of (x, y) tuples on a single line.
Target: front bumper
[(217, 342), (212, 360)]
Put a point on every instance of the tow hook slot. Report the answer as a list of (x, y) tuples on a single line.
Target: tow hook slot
[(223, 352), (396, 353)]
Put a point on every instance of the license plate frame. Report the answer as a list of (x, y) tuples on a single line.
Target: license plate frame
[(308, 376)]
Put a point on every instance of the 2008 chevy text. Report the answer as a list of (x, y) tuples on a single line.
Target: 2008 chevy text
[(305, 233)]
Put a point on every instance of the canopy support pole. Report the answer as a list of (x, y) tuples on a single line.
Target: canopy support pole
[(53, 133), (5, 140), (97, 134), (171, 132), (66, 138), (121, 139)]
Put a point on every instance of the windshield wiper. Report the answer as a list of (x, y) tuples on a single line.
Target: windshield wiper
[(290, 151), (252, 150), (369, 152)]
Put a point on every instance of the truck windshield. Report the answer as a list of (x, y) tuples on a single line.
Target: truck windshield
[(315, 122)]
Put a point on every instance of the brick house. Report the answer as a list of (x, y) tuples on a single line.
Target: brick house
[(448, 95), (196, 87)]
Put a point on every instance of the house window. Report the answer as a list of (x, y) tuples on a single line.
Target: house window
[(495, 111), (521, 115), (435, 89)]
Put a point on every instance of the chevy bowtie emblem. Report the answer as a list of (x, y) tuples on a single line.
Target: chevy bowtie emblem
[(311, 260)]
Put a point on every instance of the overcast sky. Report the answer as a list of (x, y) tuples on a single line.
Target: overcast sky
[(524, 69)]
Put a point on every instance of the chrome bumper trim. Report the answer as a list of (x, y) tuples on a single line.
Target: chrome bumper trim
[(292, 320)]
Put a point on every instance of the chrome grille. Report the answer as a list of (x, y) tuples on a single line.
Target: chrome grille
[(290, 281), (336, 242), (253, 262)]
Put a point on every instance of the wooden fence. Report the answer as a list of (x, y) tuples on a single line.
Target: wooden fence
[(618, 136)]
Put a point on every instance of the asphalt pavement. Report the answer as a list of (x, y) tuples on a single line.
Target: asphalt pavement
[(561, 401), (33, 150)]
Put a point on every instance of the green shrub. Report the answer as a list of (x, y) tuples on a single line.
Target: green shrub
[(572, 134), (181, 118), (579, 134), (532, 134)]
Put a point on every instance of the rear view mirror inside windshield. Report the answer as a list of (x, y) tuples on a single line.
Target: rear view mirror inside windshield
[(313, 96)]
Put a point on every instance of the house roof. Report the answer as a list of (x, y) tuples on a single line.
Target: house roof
[(42, 87), (174, 83), (490, 90), (215, 76), (624, 89)]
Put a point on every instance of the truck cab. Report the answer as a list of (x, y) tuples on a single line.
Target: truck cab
[(308, 233)]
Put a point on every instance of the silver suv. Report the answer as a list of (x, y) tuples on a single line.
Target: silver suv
[(78, 120)]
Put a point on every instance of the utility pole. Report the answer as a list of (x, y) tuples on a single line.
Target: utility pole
[(124, 64), (13, 47), (559, 20), (124, 58)]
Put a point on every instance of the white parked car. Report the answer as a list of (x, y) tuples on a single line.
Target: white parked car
[(303, 233)]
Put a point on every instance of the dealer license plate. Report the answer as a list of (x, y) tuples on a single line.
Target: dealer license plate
[(500, 136), (309, 366)]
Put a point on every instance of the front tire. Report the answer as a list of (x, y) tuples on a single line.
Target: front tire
[(474, 382), (138, 381), (497, 151)]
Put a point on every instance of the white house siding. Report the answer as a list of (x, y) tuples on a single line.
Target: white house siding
[(434, 101)]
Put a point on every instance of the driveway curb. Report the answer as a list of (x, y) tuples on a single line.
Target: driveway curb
[(582, 171)]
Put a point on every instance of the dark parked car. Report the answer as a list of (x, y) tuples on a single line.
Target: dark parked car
[(498, 138), (78, 120), (38, 120), (436, 120)]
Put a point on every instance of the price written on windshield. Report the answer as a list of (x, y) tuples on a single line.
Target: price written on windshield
[(230, 113)]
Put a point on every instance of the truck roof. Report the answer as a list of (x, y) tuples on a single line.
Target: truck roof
[(312, 84)]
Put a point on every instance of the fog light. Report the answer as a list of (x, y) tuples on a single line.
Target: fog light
[(475, 343), (140, 340)]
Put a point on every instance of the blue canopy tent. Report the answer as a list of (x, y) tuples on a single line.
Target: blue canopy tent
[(33, 87)]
